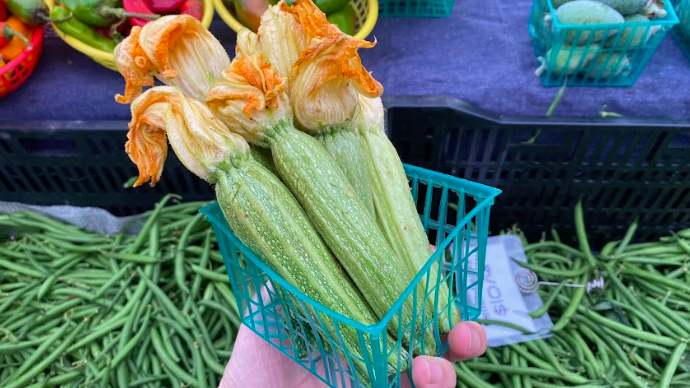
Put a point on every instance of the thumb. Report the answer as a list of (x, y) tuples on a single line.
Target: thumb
[(433, 372)]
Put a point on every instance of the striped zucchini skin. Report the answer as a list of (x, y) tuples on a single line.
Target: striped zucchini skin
[(263, 157), (343, 222), (267, 218), (343, 146), (398, 218)]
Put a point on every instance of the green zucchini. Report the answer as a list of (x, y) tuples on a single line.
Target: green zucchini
[(342, 220), (343, 146), (263, 157), (265, 216), (396, 211)]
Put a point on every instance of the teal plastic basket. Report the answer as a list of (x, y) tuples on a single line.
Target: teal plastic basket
[(416, 8), (454, 212), (614, 61), (681, 32)]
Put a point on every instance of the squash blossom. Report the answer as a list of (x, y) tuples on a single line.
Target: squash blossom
[(175, 49), (251, 98), (199, 139), (282, 38)]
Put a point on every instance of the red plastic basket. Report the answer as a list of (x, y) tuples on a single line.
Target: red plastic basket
[(15, 72)]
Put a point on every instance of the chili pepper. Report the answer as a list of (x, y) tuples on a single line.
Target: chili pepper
[(117, 31), (16, 46), (194, 8), (344, 18), (32, 12), (81, 31), (7, 33), (140, 7), (102, 13), (3, 11), (165, 6), (328, 6)]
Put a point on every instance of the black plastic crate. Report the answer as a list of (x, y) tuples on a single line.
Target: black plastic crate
[(622, 168), (83, 164)]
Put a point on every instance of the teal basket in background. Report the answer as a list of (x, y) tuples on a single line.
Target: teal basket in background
[(681, 32), (455, 214), (614, 61), (416, 8)]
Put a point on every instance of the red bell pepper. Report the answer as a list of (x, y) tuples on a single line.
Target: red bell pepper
[(166, 6), (137, 6), (3, 11), (194, 8)]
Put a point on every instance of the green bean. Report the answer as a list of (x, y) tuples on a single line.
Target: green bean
[(168, 362), (645, 365), (166, 303), (59, 380), (662, 315), (545, 307), (683, 323), (211, 275), (672, 365), (613, 346), (40, 352), (555, 272), (146, 380), (518, 370), (152, 219), (629, 375), (23, 378), (555, 245), (166, 336), (573, 305), (467, 376), (179, 255), (516, 379), (227, 295), (591, 361), (494, 360), (21, 269), (135, 258), (12, 347), (98, 332), (582, 234), (623, 329), (549, 256), (125, 350), (16, 295), (143, 350)]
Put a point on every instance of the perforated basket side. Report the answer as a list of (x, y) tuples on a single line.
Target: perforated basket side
[(416, 8), (455, 214)]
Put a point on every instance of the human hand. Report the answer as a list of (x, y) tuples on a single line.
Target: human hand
[(257, 364)]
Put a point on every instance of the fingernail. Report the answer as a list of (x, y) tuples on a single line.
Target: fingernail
[(434, 372), (473, 335)]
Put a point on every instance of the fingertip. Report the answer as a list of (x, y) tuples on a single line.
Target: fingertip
[(467, 340), (432, 372)]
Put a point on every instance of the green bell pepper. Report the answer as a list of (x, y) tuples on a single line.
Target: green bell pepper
[(345, 18)]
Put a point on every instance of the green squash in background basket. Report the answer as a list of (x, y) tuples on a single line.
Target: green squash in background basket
[(625, 7), (640, 33), (568, 60), (585, 12), (608, 64)]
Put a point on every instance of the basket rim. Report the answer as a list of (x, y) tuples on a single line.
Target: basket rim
[(670, 19), (100, 55), (364, 31), (212, 210), (36, 39)]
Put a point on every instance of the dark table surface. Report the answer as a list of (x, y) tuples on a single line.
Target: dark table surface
[(481, 54)]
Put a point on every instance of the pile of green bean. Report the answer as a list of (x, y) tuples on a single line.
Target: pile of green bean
[(81, 309), (633, 333)]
